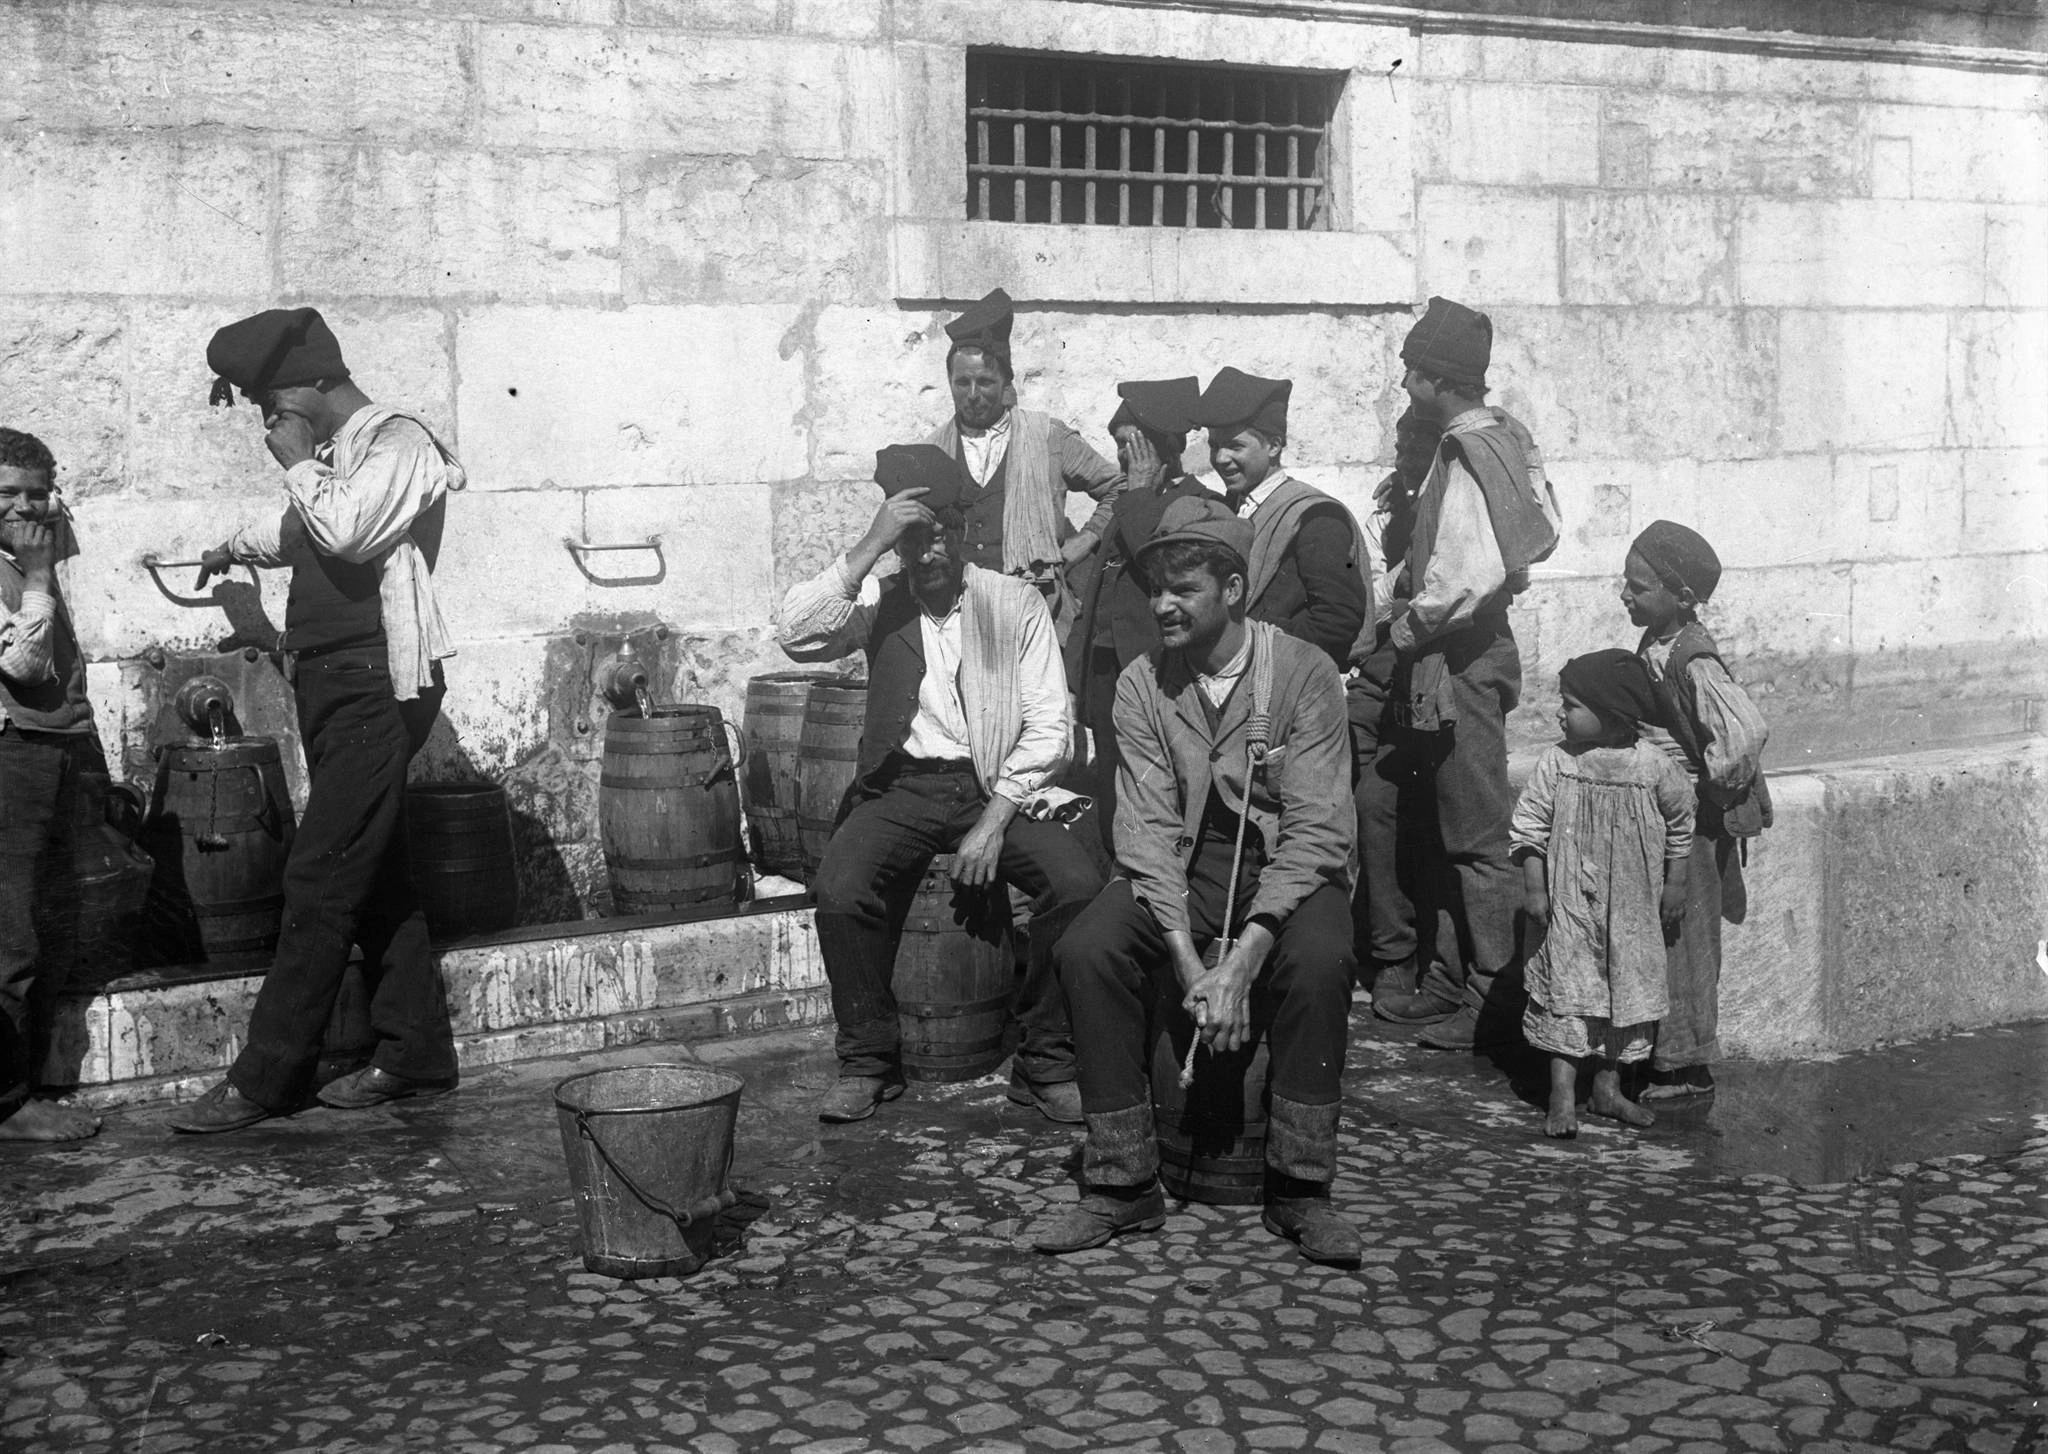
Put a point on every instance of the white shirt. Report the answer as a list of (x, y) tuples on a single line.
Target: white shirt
[(1261, 493), (983, 453), (1218, 688), (938, 733)]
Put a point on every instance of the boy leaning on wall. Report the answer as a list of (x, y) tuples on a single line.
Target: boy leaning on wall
[(1715, 732)]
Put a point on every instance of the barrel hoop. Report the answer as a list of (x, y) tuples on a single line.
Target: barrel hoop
[(684, 780), (944, 1010), (462, 865), (240, 946), (812, 752), (228, 908), (658, 865)]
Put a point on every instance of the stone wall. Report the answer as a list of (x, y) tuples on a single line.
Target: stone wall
[(677, 268)]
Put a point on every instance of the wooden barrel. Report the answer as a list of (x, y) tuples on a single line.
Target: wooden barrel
[(1212, 1136), (219, 828), (774, 730), (458, 839), (108, 879), (827, 751), (668, 810), (954, 979)]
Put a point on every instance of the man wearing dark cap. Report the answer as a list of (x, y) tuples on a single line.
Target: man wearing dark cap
[(1310, 566), (1020, 464), (1437, 786), (365, 490), (1150, 427), (966, 721), (1233, 732)]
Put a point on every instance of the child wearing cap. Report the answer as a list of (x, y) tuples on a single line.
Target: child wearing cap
[(1710, 728), (1602, 832)]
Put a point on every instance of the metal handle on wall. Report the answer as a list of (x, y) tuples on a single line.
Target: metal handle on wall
[(580, 548), (154, 563)]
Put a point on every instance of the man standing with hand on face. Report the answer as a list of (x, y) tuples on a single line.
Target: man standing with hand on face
[(966, 719), (46, 737), (1232, 717), (365, 488)]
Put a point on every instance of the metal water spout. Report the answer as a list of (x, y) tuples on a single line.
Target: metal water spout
[(625, 685)]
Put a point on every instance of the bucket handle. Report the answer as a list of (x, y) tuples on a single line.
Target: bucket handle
[(701, 1209)]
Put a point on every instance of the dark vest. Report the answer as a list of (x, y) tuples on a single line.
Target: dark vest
[(332, 605), (57, 705), (1744, 816), (982, 508)]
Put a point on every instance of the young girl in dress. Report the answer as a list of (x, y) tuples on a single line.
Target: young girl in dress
[(1602, 832)]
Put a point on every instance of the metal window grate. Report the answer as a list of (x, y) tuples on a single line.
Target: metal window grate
[(1061, 139)]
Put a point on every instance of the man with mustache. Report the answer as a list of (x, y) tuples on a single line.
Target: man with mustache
[(1020, 465), (1229, 717), (966, 720)]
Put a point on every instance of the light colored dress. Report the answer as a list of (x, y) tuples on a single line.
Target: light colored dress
[(1607, 820)]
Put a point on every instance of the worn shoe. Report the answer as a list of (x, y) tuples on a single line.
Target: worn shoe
[(1390, 978), (221, 1109), (1676, 1085), (373, 1087), (1420, 1008), (1058, 1100), (1312, 1224), (1468, 1029), (1099, 1216), (854, 1097)]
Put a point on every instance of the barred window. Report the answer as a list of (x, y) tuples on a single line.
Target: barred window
[(1058, 138)]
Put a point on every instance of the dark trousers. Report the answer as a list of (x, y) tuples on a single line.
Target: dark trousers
[(39, 774), (347, 882), (1114, 966), (863, 888), (1433, 814)]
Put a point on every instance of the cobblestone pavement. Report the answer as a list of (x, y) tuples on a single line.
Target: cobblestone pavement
[(409, 1279)]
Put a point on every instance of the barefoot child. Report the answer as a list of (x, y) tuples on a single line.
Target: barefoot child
[(1708, 725), (1602, 831)]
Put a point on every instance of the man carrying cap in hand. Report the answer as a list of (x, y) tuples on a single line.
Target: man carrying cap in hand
[(1020, 464), (1310, 567), (1150, 427), (966, 720), (366, 489), (1231, 727), (1438, 783)]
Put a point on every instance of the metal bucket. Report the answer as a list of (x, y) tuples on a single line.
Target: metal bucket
[(649, 1149)]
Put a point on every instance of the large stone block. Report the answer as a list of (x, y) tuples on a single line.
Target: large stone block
[(1967, 154), (843, 19), (1485, 247), (2016, 257), (1897, 506), (879, 375), (753, 229), (179, 445), (63, 375), (717, 544), (2005, 500), (1376, 137), (1649, 247), (1997, 378), (930, 161), (120, 612), (1958, 86), (1773, 990), (1785, 630), (1930, 606), (1604, 503), (718, 95), (306, 70), (504, 570), (126, 215), (1508, 135), (434, 223), (814, 521), (1865, 380), (1667, 141), (714, 667), (1761, 512), (495, 713), (575, 398), (1938, 891), (1860, 254), (1637, 383)]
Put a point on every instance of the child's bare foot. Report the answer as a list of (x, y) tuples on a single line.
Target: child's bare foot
[(1607, 1100), (49, 1121), (1563, 1120)]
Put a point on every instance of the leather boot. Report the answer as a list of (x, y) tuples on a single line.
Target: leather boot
[(1102, 1213), (1301, 1212)]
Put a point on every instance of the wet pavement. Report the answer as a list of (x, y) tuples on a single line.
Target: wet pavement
[(1836, 1257)]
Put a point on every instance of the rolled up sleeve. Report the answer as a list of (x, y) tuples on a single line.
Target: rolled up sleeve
[(823, 618)]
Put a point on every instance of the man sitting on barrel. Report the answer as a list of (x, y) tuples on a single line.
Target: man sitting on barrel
[(1235, 754), (966, 720)]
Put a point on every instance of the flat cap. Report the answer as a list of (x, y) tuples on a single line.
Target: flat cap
[(1203, 520)]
